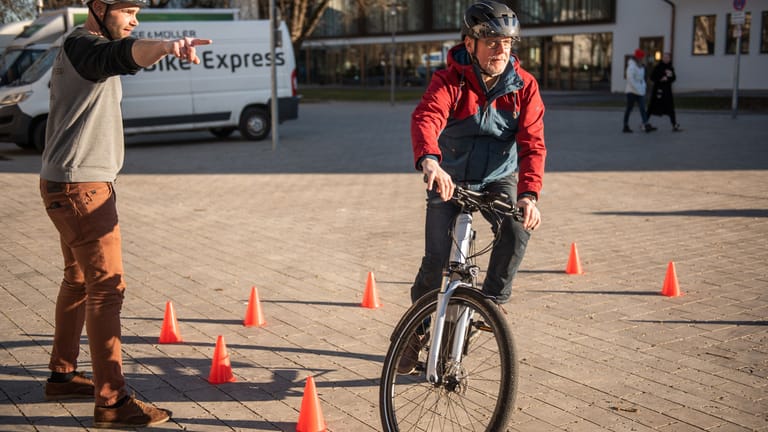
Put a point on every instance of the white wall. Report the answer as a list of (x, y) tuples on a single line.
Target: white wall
[(717, 71), (636, 19)]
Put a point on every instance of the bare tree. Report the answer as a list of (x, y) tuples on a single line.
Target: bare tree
[(197, 3), (301, 17), (13, 10)]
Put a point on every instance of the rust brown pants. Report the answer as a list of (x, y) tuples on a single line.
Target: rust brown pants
[(91, 293)]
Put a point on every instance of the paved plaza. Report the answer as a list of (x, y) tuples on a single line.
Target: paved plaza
[(204, 220)]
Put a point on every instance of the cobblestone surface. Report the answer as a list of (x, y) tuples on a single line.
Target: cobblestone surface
[(204, 220)]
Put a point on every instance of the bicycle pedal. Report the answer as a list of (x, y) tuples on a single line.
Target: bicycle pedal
[(485, 328), (482, 326)]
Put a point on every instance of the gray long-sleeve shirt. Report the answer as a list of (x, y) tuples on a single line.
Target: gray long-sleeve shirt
[(84, 134)]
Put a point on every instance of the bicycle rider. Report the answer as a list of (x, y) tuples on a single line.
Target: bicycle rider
[(479, 124)]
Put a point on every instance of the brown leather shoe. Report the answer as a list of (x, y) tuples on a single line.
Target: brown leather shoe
[(132, 413), (80, 387)]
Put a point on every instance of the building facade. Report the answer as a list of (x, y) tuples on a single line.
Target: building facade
[(566, 44)]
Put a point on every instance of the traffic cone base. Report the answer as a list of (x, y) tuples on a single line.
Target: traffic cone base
[(254, 317), (169, 333), (574, 264), (221, 369), (371, 296), (671, 287), (311, 415)]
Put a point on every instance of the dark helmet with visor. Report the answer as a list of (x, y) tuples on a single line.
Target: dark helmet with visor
[(487, 18)]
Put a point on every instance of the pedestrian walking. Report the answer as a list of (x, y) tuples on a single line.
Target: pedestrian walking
[(662, 101), (635, 91)]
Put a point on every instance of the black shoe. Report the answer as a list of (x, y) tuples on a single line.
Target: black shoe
[(627, 129), (410, 358), (676, 128), (648, 127), (475, 327)]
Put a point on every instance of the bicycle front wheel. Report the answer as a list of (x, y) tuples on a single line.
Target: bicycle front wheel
[(475, 394)]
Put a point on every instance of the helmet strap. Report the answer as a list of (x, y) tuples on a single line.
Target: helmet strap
[(473, 56), (100, 21)]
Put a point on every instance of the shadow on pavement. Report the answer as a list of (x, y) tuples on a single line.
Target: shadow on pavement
[(720, 213), (603, 292), (712, 322)]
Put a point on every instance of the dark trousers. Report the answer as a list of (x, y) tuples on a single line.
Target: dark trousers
[(506, 256), (631, 100)]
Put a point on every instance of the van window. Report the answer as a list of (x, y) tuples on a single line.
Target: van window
[(15, 62), (39, 67)]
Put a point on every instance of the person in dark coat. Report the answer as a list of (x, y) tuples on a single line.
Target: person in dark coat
[(662, 102)]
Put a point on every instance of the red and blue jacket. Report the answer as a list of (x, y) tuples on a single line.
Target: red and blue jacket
[(479, 136)]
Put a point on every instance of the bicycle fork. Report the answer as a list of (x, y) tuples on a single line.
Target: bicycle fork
[(460, 316)]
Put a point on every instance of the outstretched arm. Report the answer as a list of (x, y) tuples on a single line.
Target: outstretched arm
[(147, 52)]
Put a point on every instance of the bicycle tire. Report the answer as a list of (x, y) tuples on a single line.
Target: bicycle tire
[(483, 400)]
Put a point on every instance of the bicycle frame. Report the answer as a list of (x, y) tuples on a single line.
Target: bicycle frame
[(463, 236)]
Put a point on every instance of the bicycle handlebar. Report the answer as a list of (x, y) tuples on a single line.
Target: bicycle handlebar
[(498, 202)]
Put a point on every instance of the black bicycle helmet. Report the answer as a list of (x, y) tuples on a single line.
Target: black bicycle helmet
[(488, 18)]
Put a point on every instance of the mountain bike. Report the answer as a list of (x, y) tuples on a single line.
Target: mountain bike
[(465, 366)]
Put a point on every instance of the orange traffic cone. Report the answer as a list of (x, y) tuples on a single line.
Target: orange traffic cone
[(311, 415), (574, 265), (671, 287), (221, 369), (169, 333), (253, 315), (370, 297)]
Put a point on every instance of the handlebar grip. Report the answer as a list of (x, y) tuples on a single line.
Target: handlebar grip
[(501, 206), (515, 212)]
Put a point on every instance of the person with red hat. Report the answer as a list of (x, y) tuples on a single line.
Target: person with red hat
[(635, 91)]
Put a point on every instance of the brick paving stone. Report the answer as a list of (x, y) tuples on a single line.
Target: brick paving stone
[(204, 219)]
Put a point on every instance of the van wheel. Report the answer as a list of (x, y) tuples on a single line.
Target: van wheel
[(38, 134), (222, 132), (254, 124)]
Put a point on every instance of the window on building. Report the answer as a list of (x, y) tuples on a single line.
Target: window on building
[(339, 19), (764, 34), (447, 15), (406, 16), (731, 36), (569, 62), (704, 34), (563, 11)]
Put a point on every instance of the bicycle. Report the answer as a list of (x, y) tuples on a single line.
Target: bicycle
[(468, 379)]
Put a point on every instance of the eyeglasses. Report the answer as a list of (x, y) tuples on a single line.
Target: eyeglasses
[(493, 44)]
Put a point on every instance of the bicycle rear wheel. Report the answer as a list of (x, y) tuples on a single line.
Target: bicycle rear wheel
[(476, 395)]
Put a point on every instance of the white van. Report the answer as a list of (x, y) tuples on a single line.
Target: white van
[(25, 47), (229, 90), (10, 31), (54, 23)]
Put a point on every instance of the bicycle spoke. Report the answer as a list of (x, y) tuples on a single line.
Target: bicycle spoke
[(475, 393), (473, 381)]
